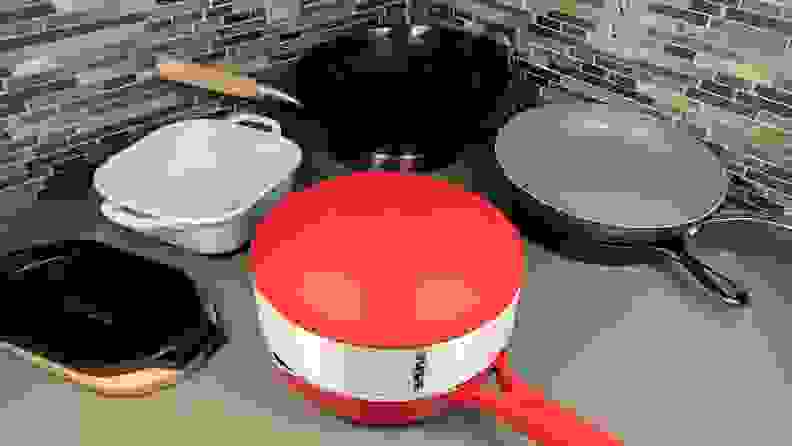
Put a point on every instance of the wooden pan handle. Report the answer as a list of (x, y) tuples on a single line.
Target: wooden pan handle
[(212, 77), (123, 383)]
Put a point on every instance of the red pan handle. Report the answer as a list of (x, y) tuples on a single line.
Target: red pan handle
[(526, 410)]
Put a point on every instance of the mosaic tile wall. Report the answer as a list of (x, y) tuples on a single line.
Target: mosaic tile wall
[(721, 69), (74, 87), (74, 90)]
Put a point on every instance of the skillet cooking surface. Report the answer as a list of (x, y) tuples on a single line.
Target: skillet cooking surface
[(615, 168), (86, 304)]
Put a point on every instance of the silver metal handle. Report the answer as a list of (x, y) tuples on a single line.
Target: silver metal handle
[(241, 118)]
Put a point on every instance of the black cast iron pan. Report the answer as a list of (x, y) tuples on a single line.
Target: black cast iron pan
[(83, 305), (618, 181)]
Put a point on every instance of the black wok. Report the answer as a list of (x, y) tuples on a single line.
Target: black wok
[(403, 95)]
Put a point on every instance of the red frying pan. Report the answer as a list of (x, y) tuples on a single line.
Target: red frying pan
[(386, 298)]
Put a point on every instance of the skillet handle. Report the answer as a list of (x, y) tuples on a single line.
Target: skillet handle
[(730, 291), (219, 79), (526, 410)]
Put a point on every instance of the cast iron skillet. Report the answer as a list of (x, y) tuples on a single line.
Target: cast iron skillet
[(82, 304), (619, 181)]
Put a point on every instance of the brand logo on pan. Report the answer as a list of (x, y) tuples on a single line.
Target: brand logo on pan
[(418, 371)]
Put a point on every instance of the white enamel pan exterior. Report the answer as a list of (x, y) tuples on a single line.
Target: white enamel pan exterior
[(374, 374)]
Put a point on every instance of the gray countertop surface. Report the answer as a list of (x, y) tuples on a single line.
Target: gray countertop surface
[(641, 347)]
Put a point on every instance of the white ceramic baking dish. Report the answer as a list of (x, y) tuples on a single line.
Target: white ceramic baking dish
[(200, 184)]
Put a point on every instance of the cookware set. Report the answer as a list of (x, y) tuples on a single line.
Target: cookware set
[(379, 329)]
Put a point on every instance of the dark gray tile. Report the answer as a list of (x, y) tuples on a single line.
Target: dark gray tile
[(740, 108), (538, 71), (585, 53), (706, 97), (575, 31), (696, 131), (171, 10), (666, 73), (691, 17), (59, 34), (56, 137), (775, 95), (11, 105), (705, 7), (679, 51), (599, 4), (42, 89), (186, 19), (370, 4), (237, 16), (440, 11), (564, 64), (771, 181), (577, 21), (239, 39), (63, 97), (15, 84), (38, 115), (749, 100), (498, 30), (219, 12), (551, 34), (12, 150), (158, 25), (776, 108), (762, 7), (64, 20), (20, 28), (733, 82), (593, 70), (623, 81), (614, 64), (777, 172), (759, 21), (727, 2), (719, 89), (785, 84), (212, 57), (38, 9), (548, 22)]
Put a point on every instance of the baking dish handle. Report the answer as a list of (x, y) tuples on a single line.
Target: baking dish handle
[(124, 218), (526, 410), (250, 120)]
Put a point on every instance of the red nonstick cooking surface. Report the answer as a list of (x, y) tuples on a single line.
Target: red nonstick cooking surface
[(386, 260)]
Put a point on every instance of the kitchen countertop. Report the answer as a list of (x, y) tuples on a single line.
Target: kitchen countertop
[(640, 347)]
